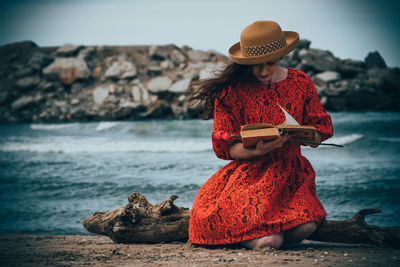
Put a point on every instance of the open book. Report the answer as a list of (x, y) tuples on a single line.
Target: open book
[(251, 133)]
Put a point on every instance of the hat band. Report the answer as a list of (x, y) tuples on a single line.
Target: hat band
[(263, 49)]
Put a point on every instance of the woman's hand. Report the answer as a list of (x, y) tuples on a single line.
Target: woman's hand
[(317, 140), (263, 148), (238, 151)]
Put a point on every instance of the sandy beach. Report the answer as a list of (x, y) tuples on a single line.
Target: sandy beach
[(83, 250)]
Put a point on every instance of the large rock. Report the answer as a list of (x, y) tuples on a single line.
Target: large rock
[(158, 52), (178, 57), (67, 70), (23, 72), (153, 71), (349, 68), (68, 50), (303, 43), (100, 94), (180, 86), (28, 82), (364, 98), (323, 78), (375, 60), (316, 60), (39, 60), (198, 55), (25, 101), (159, 109), (140, 95), (121, 69), (159, 84)]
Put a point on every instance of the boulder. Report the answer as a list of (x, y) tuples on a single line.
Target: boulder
[(153, 71), (23, 72), (375, 60), (364, 98), (178, 57), (100, 94), (157, 53), (80, 113), (323, 78), (337, 88), (139, 94), (303, 43), (316, 60), (166, 64), (39, 60), (28, 82), (349, 68), (121, 69), (158, 109), (390, 79), (87, 53), (158, 84), (198, 55), (180, 86), (67, 70), (25, 101), (68, 50)]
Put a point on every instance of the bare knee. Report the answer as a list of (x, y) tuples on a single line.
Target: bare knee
[(308, 228), (300, 232)]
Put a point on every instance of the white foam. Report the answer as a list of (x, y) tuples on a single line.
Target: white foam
[(102, 145), (345, 140), (340, 140), (105, 125), (52, 127)]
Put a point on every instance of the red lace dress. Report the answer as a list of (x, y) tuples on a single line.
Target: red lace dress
[(248, 199)]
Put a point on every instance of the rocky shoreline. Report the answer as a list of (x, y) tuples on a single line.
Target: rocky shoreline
[(78, 83)]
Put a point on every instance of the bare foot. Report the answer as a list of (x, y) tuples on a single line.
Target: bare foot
[(272, 241)]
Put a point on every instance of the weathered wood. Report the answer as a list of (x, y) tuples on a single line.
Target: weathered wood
[(141, 222), (356, 231)]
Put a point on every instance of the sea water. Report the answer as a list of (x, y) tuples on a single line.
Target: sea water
[(53, 175)]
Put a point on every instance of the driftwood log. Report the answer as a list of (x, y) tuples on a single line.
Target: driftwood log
[(141, 222)]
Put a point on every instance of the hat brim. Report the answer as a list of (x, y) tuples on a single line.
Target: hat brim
[(236, 55)]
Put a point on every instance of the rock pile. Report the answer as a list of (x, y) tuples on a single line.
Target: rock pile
[(141, 82), (348, 84)]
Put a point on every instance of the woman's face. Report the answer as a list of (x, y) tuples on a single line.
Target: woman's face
[(264, 72)]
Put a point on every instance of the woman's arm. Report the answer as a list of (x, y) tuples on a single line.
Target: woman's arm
[(238, 151)]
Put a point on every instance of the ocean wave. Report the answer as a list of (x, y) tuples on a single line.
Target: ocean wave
[(102, 145), (52, 127), (341, 140), (105, 125), (344, 140)]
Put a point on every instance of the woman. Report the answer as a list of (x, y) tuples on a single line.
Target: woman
[(266, 196)]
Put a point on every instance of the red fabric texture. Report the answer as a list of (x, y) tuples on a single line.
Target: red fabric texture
[(247, 199)]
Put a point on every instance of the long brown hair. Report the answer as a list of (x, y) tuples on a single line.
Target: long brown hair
[(203, 93)]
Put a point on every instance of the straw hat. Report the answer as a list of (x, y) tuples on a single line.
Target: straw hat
[(263, 41)]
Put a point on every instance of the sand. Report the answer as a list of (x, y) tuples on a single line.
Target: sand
[(83, 250)]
